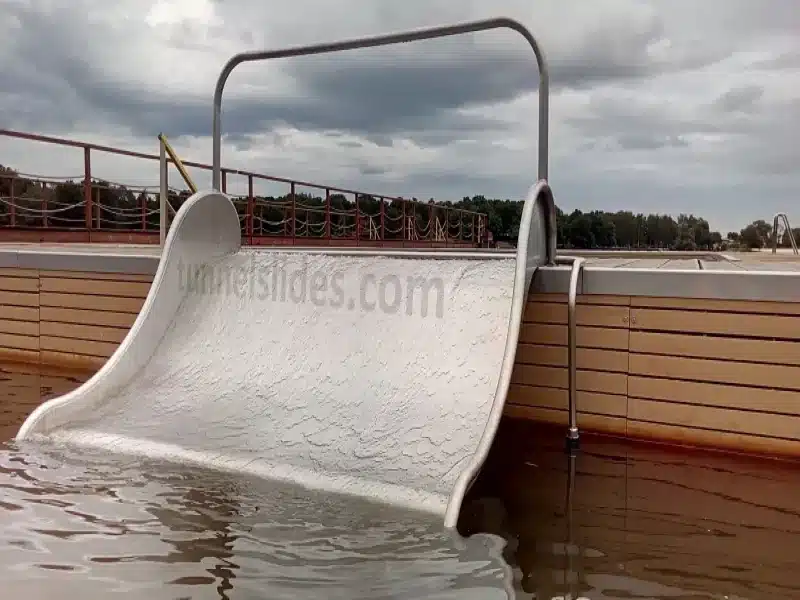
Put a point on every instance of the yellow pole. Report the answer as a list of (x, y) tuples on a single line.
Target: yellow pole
[(178, 164)]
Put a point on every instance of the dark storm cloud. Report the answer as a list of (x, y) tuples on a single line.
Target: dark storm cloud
[(644, 141), (36, 92), (415, 96), (633, 127), (740, 99), (373, 170)]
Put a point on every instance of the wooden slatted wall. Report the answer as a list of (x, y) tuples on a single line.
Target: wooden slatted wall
[(540, 383), (24, 386), (674, 517), (68, 318), (19, 315), (717, 373), (720, 373)]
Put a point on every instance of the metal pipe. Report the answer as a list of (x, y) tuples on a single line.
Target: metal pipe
[(385, 40), (570, 579), (573, 434)]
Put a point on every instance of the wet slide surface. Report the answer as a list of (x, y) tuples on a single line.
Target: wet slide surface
[(380, 375)]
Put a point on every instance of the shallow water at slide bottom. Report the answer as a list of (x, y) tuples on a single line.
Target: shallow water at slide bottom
[(640, 521), (83, 524)]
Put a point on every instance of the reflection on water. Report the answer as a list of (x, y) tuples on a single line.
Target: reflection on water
[(618, 520), (80, 524), (638, 521), (23, 387)]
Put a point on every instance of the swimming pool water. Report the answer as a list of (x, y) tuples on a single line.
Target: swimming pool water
[(618, 520)]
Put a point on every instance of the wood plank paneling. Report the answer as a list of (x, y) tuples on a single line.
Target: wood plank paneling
[(587, 358), (705, 372), (587, 337), (113, 335), (716, 371), (70, 318), (719, 373), (6, 272), (587, 402), (93, 287), (727, 306), (19, 342), (589, 421), (540, 382), (92, 302), (14, 298), (710, 438), (585, 314), (107, 318), (85, 347), (29, 328), (689, 370), (19, 284), (721, 348), (19, 314), (715, 418), (95, 276), (731, 324), (18, 355), (712, 394), (555, 377), (72, 360)]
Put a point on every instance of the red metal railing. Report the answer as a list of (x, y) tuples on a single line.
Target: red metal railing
[(88, 208)]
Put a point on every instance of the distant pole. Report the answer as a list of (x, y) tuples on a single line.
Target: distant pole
[(163, 200)]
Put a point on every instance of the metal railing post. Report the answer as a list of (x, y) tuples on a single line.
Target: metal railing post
[(163, 202)]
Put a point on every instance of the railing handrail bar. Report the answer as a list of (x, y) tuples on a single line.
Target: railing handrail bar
[(385, 40)]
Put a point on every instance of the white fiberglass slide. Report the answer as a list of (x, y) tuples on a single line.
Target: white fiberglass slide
[(381, 374)]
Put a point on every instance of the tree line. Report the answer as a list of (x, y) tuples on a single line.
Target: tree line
[(628, 230), (577, 229)]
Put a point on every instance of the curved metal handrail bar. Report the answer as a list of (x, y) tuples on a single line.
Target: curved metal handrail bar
[(789, 233), (385, 40), (577, 263)]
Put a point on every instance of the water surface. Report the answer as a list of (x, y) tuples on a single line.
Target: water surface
[(619, 520), (76, 523)]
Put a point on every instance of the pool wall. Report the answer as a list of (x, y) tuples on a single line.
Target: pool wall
[(708, 358)]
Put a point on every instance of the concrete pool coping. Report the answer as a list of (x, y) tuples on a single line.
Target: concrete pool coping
[(754, 276)]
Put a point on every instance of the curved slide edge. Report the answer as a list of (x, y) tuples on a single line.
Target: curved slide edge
[(536, 246), (206, 228)]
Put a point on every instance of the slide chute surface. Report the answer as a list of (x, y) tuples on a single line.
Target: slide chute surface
[(377, 373)]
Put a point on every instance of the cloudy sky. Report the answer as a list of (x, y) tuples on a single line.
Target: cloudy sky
[(662, 106)]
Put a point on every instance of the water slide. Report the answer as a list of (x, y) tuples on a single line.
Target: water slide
[(375, 373)]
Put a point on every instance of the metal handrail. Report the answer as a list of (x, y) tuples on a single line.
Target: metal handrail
[(162, 139), (385, 40), (789, 232), (573, 435)]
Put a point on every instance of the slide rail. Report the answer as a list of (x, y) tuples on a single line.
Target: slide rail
[(386, 40), (781, 217)]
